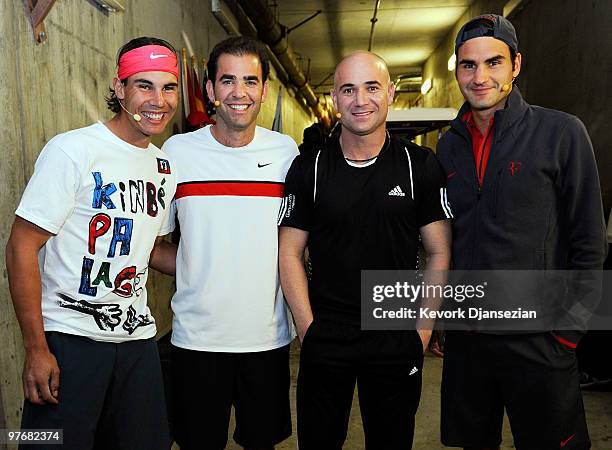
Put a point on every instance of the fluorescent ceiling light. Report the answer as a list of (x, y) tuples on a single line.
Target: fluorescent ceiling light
[(452, 62), (111, 6), (225, 17), (426, 86)]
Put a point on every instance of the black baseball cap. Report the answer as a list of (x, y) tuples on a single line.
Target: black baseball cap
[(492, 25)]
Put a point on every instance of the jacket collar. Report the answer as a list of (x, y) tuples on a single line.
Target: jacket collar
[(504, 118)]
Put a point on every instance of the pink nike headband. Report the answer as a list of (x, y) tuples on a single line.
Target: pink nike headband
[(149, 58)]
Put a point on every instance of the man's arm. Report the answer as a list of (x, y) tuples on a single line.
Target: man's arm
[(584, 229), (40, 372), (581, 199), (163, 256), (291, 245), (436, 237)]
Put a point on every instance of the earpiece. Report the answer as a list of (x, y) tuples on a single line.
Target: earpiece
[(136, 117)]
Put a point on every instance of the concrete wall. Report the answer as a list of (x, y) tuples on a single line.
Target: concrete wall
[(567, 65), (51, 88), (295, 119)]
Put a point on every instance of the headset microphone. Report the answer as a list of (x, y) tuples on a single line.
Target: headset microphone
[(506, 87), (136, 117)]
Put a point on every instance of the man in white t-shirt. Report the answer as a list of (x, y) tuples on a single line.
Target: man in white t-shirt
[(231, 329), (95, 207)]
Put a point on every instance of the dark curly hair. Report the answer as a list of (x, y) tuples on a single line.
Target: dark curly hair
[(112, 102)]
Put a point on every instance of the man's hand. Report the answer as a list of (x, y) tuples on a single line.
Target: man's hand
[(291, 245), (41, 377), (303, 329), (425, 336), (436, 239), (163, 256), (436, 343), (40, 371)]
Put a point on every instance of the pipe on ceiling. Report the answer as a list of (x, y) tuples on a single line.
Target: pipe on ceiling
[(246, 27), (373, 20), (271, 32)]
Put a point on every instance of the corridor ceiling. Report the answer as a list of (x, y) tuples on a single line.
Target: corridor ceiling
[(405, 34)]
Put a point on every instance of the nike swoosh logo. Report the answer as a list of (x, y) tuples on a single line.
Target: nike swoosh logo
[(564, 443), (154, 56), (263, 165)]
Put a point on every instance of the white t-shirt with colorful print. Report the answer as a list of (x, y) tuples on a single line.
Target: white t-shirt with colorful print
[(105, 201)]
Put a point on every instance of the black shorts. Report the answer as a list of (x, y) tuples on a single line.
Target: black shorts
[(385, 365), (111, 396), (207, 384), (534, 377)]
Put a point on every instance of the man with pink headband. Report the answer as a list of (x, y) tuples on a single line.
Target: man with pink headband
[(93, 211)]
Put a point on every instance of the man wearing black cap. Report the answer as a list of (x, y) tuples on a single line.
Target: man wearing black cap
[(524, 188)]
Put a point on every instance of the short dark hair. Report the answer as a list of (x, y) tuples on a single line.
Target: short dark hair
[(512, 56), (112, 102), (238, 46)]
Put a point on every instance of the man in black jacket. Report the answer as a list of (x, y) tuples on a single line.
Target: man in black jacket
[(524, 189)]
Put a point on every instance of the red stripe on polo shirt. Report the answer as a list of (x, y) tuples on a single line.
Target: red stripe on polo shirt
[(232, 188)]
